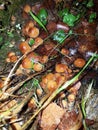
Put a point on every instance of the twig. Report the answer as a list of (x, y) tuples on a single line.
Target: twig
[(11, 72)]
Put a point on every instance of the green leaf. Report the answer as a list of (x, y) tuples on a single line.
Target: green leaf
[(43, 12), (96, 56), (31, 42), (38, 20), (42, 15), (59, 36), (70, 19)]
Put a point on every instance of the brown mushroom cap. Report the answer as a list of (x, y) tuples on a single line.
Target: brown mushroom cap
[(33, 32), (24, 47), (37, 67), (27, 63), (79, 62), (28, 25), (27, 8)]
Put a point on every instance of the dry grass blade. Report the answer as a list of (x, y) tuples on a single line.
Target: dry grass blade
[(16, 109)]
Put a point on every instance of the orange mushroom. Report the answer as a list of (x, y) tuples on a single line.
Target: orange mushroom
[(38, 41), (44, 59), (60, 68), (33, 32), (79, 62), (32, 103), (39, 92), (28, 25), (37, 67), (71, 97), (1, 84), (27, 63), (13, 58), (24, 47), (34, 56), (27, 8), (65, 51), (11, 54), (52, 85)]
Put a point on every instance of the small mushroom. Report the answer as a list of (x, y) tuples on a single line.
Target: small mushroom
[(60, 68), (27, 63), (37, 67), (11, 54), (65, 51), (13, 58), (38, 41), (52, 85), (24, 47), (28, 25), (33, 32), (27, 8), (79, 62)]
